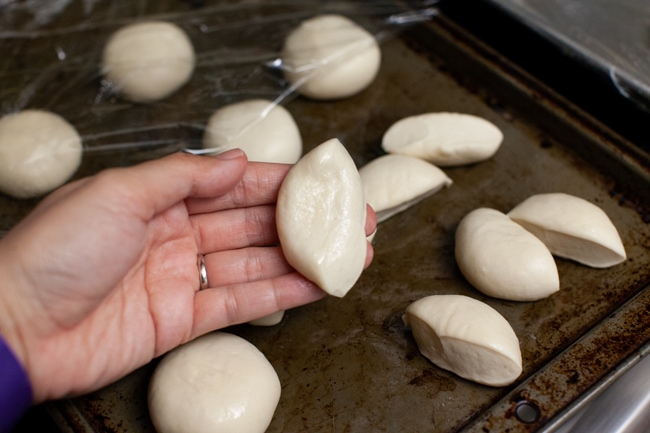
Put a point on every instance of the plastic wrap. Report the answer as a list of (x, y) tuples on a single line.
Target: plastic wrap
[(237, 46), (610, 35)]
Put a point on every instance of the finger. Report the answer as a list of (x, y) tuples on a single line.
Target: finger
[(259, 186), (371, 220), (154, 186), (235, 228), (240, 303), (245, 265)]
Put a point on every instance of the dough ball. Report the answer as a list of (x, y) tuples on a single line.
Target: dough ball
[(502, 259), (265, 131), (148, 61), (270, 320), (39, 151), (321, 218), (571, 227), (330, 57), (467, 337), (218, 383), (444, 139), (393, 183)]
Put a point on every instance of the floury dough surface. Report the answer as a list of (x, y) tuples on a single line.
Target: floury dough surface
[(148, 61), (571, 227), (393, 183), (444, 139), (330, 57), (39, 151), (321, 218), (467, 337), (264, 130), (502, 259), (216, 383)]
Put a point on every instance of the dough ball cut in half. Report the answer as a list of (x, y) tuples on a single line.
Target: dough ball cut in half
[(502, 259), (217, 383), (393, 183), (330, 57), (571, 227), (444, 139), (265, 131), (321, 216), (269, 320), (467, 337), (148, 61), (39, 151)]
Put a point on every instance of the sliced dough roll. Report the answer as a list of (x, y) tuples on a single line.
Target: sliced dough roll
[(393, 183), (217, 383), (321, 217), (502, 259), (444, 139), (467, 337), (571, 227), (264, 130)]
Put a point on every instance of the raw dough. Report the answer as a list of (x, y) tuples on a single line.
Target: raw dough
[(321, 218), (467, 337), (265, 131), (393, 183), (148, 61), (571, 227), (39, 151), (444, 139), (501, 259), (330, 57), (216, 383), (270, 320)]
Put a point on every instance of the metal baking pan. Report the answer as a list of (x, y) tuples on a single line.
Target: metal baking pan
[(350, 364)]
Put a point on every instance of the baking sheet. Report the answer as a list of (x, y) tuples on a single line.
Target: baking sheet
[(611, 36), (350, 365)]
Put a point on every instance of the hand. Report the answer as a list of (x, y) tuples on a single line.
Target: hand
[(102, 276)]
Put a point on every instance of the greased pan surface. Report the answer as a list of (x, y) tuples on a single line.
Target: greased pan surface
[(350, 365)]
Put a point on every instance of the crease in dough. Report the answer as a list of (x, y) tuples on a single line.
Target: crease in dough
[(321, 215)]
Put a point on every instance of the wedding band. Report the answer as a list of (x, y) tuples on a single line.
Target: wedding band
[(203, 273)]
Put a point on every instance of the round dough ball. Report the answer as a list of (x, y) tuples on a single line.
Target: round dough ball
[(571, 227), (39, 151), (393, 183), (264, 130), (502, 259), (321, 218), (148, 61), (330, 57), (444, 139), (218, 383), (467, 337)]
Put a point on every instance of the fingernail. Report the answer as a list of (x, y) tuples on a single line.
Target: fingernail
[(230, 154)]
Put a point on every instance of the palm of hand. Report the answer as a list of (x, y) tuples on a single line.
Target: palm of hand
[(124, 289)]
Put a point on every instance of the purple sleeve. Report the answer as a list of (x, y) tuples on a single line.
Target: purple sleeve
[(15, 389)]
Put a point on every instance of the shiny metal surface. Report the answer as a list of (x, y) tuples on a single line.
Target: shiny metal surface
[(622, 407)]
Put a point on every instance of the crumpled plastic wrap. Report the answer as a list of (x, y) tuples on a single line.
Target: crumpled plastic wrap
[(611, 35), (53, 51)]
